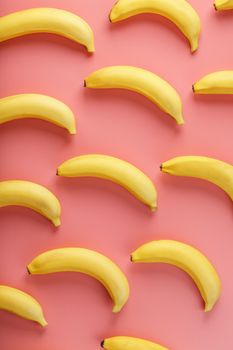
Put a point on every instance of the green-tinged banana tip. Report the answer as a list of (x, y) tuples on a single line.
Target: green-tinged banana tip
[(56, 222), (91, 48), (43, 323), (72, 131), (207, 308), (180, 122), (153, 207)]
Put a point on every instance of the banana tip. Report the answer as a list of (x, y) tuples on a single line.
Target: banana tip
[(180, 122), (161, 167), (109, 17), (56, 222), (91, 47), (153, 207), (131, 258), (193, 88), (194, 44), (72, 131), (84, 83), (28, 270), (43, 323), (117, 308), (208, 308), (215, 7), (102, 344)]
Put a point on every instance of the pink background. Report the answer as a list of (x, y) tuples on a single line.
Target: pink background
[(164, 304)]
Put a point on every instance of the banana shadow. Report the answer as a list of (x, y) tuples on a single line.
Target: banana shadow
[(154, 22), (32, 124), (45, 39), (35, 131), (111, 97), (88, 191), (19, 325), (197, 187), (11, 216), (225, 15), (218, 99)]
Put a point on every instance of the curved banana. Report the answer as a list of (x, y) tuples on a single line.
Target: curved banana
[(21, 304), (210, 169), (37, 106), (188, 259), (215, 83), (180, 12), (30, 195), (141, 81), (130, 343), (113, 169), (47, 20), (220, 5), (88, 262)]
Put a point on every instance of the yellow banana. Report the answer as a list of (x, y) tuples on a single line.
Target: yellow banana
[(141, 81), (223, 5), (188, 259), (130, 343), (180, 12), (47, 20), (88, 262), (37, 106), (21, 304), (113, 169), (210, 169), (30, 195), (215, 83)]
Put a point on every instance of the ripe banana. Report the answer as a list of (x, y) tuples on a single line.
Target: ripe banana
[(30, 195), (47, 20), (210, 169), (113, 169), (180, 12), (141, 81), (223, 5), (88, 262), (37, 106), (215, 83), (21, 304), (130, 343), (188, 259)]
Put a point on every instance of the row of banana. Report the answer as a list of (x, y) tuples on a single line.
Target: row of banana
[(67, 24), (131, 78), (40, 199), (100, 267)]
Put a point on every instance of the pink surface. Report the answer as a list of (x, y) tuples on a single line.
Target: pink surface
[(164, 304)]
